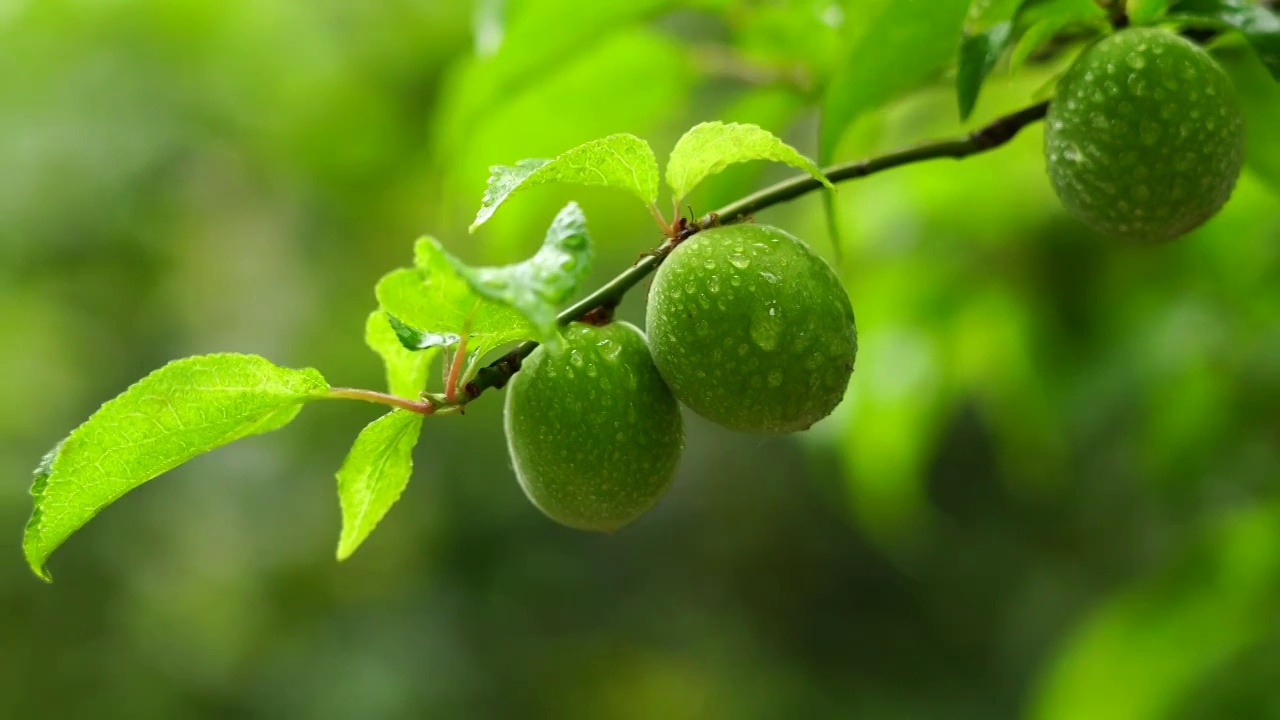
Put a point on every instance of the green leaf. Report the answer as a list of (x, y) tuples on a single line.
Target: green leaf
[(710, 147), (987, 33), (185, 408), (1259, 25), (621, 161), (536, 42), (442, 298), (978, 55), (374, 474), (407, 367), (538, 286), (1143, 12), (893, 47), (1044, 19), (436, 298), (1260, 100)]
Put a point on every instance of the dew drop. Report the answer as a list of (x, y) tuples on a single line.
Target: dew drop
[(765, 328), (609, 350), (775, 378), (739, 260)]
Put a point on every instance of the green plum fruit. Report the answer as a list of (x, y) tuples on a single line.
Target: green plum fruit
[(1145, 137), (594, 433), (751, 329)]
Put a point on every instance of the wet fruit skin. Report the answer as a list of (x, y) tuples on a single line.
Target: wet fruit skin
[(594, 433), (1145, 138), (751, 329)]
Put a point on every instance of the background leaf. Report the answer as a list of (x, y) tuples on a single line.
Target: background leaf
[(185, 408), (622, 161), (1142, 12), (893, 46), (1145, 651), (538, 286), (535, 41), (710, 147), (1042, 20), (1260, 25), (406, 368), (987, 32), (374, 474), (1260, 100)]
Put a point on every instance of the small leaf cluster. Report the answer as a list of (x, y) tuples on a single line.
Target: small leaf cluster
[(438, 308)]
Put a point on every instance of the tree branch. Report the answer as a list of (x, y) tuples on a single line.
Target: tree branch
[(992, 136)]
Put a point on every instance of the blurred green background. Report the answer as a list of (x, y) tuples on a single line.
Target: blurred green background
[(1050, 492)]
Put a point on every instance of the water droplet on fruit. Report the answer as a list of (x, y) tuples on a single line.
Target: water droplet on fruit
[(713, 284), (739, 260), (775, 378), (1136, 60), (609, 350), (765, 328), (575, 358)]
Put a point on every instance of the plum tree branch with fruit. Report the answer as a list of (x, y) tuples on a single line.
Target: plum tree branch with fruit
[(607, 296), (745, 325)]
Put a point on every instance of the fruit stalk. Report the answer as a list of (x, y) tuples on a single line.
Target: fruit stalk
[(988, 137)]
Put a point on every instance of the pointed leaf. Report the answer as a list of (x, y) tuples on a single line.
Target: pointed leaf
[(374, 474), (987, 33), (710, 147), (894, 46), (621, 161), (538, 286), (1259, 25), (406, 368), (185, 408)]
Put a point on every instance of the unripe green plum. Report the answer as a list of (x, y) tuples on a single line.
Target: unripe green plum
[(1145, 138), (594, 433), (751, 329)]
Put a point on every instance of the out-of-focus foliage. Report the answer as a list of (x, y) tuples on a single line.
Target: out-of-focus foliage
[(1050, 491)]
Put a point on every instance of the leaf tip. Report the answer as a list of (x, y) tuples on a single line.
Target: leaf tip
[(346, 548)]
